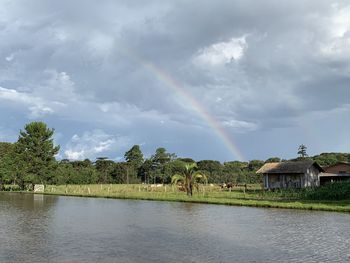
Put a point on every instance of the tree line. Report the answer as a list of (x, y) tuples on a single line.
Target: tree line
[(31, 160)]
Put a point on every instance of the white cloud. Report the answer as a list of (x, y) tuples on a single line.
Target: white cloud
[(93, 143), (240, 125), (9, 58), (53, 95), (37, 106), (221, 53), (336, 42), (57, 86), (100, 45), (340, 21)]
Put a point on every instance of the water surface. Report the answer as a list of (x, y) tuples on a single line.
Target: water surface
[(37, 228)]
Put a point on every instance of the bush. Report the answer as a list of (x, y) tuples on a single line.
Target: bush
[(12, 187), (331, 191)]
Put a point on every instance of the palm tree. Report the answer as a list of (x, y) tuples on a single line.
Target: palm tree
[(190, 177)]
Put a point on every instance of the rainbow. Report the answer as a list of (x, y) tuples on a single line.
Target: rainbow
[(191, 100)]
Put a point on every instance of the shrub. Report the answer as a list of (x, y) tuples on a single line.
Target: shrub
[(331, 191)]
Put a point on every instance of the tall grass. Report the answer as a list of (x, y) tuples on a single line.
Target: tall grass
[(323, 198), (252, 196), (331, 191)]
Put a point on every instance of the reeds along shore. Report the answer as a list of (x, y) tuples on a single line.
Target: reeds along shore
[(252, 195)]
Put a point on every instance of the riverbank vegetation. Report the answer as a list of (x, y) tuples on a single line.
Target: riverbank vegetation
[(32, 160), (250, 195)]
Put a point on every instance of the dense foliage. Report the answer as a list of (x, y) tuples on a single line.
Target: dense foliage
[(333, 191), (32, 160)]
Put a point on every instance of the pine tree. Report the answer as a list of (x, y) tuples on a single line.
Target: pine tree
[(36, 153), (302, 151)]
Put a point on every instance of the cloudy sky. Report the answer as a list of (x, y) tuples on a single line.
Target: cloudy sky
[(222, 80)]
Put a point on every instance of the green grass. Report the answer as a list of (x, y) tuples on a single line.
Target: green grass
[(209, 195)]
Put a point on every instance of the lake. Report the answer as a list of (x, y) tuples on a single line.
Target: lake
[(37, 228)]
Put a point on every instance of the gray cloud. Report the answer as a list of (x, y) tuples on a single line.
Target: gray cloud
[(265, 70)]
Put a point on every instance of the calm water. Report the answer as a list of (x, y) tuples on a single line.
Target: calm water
[(36, 228)]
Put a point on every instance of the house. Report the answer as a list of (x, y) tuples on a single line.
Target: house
[(336, 172), (291, 174)]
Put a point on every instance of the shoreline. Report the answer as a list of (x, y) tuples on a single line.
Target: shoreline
[(330, 206)]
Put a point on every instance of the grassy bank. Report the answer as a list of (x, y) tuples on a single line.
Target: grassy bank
[(253, 196)]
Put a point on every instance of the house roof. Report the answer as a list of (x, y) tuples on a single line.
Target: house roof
[(333, 175), (337, 163), (288, 167)]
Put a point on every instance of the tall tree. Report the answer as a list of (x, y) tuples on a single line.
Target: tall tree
[(134, 160), (302, 151), (6, 162), (159, 159), (5, 148), (146, 170), (134, 156), (36, 152), (104, 166), (211, 168)]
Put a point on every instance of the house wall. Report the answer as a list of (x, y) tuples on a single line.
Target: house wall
[(273, 181), (336, 178), (338, 168), (311, 177)]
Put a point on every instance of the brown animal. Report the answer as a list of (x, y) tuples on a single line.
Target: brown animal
[(181, 188), (228, 185)]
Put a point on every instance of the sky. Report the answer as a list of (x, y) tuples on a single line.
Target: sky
[(224, 80)]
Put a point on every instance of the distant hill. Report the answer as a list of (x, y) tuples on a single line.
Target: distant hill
[(325, 159)]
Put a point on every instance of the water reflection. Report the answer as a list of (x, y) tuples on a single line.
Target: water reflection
[(36, 228), (24, 225)]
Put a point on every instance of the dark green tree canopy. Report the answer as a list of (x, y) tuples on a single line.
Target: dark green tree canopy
[(5, 148), (161, 156), (302, 151), (273, 160), (36, 151), (134, 156), (104, 166)]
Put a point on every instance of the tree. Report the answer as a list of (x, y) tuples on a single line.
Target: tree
[(134, 159), (6, 162), (189, 177), (104, 167), (162, 156), (36, 152), (273, 160), (302, 151), (134, 156), (119, 174), (234, 171), (5, 148), (212, 168), (146, 170), (159, 159)]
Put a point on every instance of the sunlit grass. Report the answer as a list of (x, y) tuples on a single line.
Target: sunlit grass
[(252, 196)]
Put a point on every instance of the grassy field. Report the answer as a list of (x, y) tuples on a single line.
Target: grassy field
[(253, 196)]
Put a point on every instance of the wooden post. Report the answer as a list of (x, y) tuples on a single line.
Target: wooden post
[(267, 181)]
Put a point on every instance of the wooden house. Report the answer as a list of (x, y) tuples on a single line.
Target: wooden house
[(336, 172), (292, 174)]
